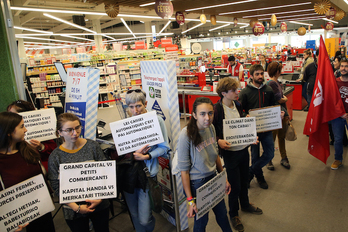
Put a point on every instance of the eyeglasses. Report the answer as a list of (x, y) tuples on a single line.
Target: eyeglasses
[(70, 130), (134, 90)]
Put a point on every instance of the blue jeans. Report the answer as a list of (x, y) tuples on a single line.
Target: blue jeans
[(338, 129), (257, 161), (219, 210), (140, 209)]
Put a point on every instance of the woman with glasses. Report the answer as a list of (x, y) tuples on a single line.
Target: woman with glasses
[(19, 161), (74, 150), (132, 178)]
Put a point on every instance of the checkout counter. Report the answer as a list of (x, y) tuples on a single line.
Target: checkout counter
[(299, 102)]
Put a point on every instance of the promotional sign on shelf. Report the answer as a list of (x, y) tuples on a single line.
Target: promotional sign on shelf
[(81, 98), (23, 203), (41, 124)]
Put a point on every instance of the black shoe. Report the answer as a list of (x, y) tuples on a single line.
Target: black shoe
[(252, 209), (262, 183), (306, 108), (237, 224), (270, 166)]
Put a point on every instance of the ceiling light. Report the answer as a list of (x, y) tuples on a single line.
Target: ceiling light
[(220, 5), (219, 33), (165, 26), (244, 26), (69, 36), (346, 1), (246, 31), (291, 16), (27, 37), (267, 8), (41, 43), (147, 4), (198, 25), (304, 19), (208, 34), (333, 21), (29, 29), (86, 20), (227, 32), (295, 22), (277, 13), (125, 24), (220, 27), (235, 32), (142, 21), (69, 23), (108, 36)]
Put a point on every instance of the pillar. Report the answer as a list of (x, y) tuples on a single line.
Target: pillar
[(148, 30), (98, 38), (21, 48)]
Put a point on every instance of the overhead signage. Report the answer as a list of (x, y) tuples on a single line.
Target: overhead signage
[(164, 8), (180, 18), (196, 48), (267, 118)]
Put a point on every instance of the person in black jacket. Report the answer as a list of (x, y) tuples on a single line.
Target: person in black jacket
[(309, 76), (257, 95), (236, 158)]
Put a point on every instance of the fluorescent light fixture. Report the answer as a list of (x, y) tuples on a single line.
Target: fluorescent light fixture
[(346, 1), (220, 27), (340, 28), (69, 36), (41, 43), (291, 16), (165, 26), (69, 23), (34, 30), (125, 24), (221, 5), (147, 4), (285, 12), (333, 21), (108, 36), (304, 19), (142, 21), (198, 25), (27, 37), (295, 22), (267, 8), (244, 26)]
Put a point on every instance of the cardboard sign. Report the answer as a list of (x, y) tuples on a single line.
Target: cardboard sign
[(41, 124), (23, 203), (210, 194), (88, 180), (267, 118), (133, 133), (240, 131)]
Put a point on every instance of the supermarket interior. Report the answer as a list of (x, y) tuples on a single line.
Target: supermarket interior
[(123, 39)]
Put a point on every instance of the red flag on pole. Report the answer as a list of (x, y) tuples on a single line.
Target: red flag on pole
[(325, 106)]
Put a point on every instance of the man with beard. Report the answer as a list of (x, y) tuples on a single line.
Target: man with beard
[(339, 124), (257, 95)]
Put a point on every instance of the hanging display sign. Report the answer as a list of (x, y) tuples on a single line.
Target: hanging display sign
[(180, 18), (329, 26), (258, 29), (23, 203), (267, 118), (41, 124), (331, 13), (140, 44), (283, 27), (196, 48), (166, 41), (240, 131), (88, 180), (171, 48), (164, 8)]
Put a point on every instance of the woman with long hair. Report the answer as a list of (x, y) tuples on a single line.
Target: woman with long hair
[(274, 71), (19, 161), (198, 161), (74, 150)]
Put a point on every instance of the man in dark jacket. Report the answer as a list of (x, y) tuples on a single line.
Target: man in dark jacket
[(257, 95), (309, 76)]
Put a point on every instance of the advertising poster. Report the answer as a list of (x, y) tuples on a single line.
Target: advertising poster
[(41, 124), (132, 133), (210, 194), (267, 118), (88, 180), (23, 203)]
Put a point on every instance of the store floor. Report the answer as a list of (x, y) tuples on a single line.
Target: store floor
[(310, 197)]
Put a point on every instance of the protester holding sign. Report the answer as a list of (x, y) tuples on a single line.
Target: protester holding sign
[(19, 161), (45, 148), (132, 178), (73, 150), (198, 161), (257, 95), (236, 158), (274, 71)]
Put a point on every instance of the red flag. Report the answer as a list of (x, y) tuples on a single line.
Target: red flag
[(325, 106)]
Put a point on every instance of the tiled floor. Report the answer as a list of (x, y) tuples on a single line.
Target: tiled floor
[(310, 197)]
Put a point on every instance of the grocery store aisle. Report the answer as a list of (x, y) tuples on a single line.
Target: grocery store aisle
[(308, 197)]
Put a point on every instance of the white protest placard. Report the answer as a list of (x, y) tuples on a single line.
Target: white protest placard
[(130, 134), (210, 194), (267, 118), (41, 124), (240, 131), (87, 180), (23, 203)]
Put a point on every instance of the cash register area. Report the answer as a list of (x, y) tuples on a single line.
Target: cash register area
[(308, 197)]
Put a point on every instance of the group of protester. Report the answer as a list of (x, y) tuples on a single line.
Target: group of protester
[(201, 144)]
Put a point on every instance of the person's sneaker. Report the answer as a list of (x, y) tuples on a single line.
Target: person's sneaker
[(237, 224), (336, 164), (262, 182), (270, 166), (252, 209), (285, 163)]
